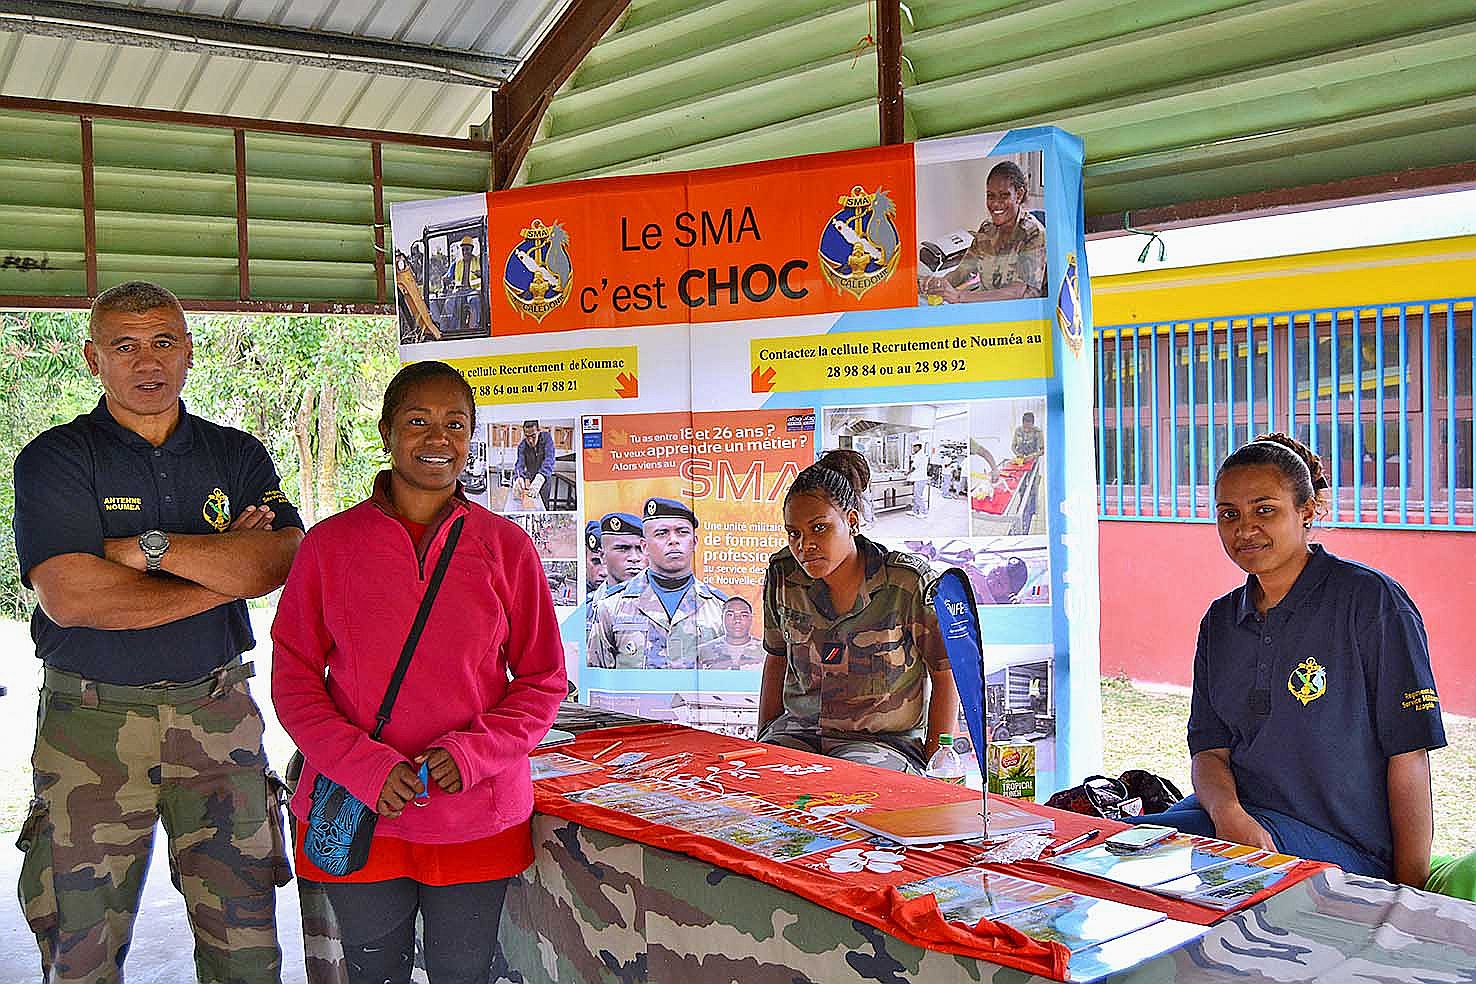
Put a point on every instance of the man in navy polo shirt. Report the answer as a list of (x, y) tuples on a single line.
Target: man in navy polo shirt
[(142, 528)]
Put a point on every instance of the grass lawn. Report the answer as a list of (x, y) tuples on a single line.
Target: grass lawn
[(1143, 728)]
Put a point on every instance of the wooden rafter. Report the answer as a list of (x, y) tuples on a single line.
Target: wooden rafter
[(89, 207), (518, 107), (892, 122)]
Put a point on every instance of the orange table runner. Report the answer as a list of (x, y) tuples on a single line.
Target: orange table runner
[(791, 790)]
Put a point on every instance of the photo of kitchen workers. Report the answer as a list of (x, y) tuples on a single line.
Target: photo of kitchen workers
[(661, 616), (737, 648), (913, 451), (1007, 446)]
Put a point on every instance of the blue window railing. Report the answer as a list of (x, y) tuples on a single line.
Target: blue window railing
[(1382, 393)]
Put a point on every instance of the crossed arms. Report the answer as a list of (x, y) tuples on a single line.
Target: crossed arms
[(81, 590)]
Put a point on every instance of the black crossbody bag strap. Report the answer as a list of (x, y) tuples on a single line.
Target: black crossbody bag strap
[(431, 589)]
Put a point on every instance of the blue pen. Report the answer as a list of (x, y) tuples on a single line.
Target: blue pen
[(424, 782)]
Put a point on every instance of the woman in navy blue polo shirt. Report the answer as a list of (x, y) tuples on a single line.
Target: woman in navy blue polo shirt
[(1314, 706)]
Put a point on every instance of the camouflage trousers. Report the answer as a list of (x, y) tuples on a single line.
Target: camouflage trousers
[(109, 763), (900, 753)]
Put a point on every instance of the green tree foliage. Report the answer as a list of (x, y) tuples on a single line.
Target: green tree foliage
[(308, 387), (44, 383)]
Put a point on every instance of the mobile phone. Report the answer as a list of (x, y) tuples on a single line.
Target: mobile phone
[(1138, 837), (424, 782)]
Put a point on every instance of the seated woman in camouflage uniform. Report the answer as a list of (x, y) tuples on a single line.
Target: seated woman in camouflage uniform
[(852, 645)]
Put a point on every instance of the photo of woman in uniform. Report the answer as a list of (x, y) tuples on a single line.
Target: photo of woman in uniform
[(1004, 258)]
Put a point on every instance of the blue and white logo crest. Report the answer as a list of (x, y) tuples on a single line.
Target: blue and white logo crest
[(539, 273), (1068, 307), (860, 244)]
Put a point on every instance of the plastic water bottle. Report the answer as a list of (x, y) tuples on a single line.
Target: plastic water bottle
[(946, 764)]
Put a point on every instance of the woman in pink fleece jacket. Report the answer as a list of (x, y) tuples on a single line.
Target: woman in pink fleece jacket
[(481, 690)]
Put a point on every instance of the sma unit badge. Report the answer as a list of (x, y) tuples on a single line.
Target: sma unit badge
[(538, 278), (860, 244)]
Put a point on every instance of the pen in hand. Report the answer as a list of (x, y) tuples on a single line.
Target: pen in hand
[(1073, 842)]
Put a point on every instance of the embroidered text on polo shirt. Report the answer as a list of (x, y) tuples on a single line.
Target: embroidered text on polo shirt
[(1420, 700), (122, 503)]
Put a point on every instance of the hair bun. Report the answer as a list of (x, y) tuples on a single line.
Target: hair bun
[(850, 464)]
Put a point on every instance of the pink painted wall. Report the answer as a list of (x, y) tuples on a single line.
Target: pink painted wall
[(1158, 578)]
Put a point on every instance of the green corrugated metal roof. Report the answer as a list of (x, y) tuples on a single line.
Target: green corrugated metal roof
[(1177, 100), (166, 204)]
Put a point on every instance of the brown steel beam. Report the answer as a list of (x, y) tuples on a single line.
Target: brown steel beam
[(892, 122), (89, 208), (518, 107), (243, 235), (379, 284), (1304, 198), (42, 302), (66, 108)]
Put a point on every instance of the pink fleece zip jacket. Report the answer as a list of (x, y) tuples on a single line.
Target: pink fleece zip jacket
[(484, 684)]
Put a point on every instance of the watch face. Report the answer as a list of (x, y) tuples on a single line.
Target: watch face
[(154, 541)]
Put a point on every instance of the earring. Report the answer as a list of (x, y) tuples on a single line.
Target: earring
[(1307, 525)]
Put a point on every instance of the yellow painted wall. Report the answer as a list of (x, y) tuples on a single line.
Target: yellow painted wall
[(1367, 275)]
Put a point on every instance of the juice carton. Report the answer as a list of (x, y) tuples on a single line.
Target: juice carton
[(1012, 769)]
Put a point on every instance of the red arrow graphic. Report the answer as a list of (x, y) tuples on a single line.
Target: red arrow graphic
[(626, 386), (763, 381)]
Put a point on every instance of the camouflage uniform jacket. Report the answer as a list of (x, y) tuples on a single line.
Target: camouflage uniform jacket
[(591, 608), (1024, 443), (862, 672), (631, 630), (718, 655), (999, 258)]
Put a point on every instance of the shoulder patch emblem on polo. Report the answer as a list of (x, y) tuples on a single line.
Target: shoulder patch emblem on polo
[(1308, 681), (217, 510)]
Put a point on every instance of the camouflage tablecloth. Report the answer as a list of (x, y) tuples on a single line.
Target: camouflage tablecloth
[(599, 908)]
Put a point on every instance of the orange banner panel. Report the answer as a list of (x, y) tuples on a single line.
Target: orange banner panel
[(809, 235)]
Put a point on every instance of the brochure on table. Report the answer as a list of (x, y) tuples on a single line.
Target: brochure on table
[(1202, 870), (1103, 936), (701, 336)]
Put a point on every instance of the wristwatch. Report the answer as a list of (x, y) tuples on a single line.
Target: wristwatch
[(153, 544)]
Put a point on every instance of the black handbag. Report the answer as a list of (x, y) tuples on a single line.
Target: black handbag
[(340, 827), (1156, 792), (1097, 796), (1137, 792)]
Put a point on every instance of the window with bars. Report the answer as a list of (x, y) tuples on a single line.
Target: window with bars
[(1383, 393)]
